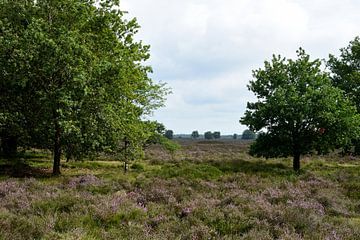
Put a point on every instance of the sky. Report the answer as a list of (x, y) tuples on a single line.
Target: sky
[(205, 50)]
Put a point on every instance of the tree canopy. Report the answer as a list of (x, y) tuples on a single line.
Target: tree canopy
[(195, 134), (248, 135), (208, 135), (298, 109), (216, 135), (169, 134), (345, 74), (73, 78)]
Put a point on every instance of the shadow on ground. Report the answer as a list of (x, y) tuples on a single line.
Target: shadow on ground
[(20, 169)]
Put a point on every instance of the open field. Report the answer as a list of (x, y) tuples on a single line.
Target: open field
[(207, 190)]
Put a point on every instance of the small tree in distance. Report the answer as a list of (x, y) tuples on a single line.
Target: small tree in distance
[(235, 136), (169, 134), (299, 108), (248, 135), (208, 135), (217, 135), (195, 134)]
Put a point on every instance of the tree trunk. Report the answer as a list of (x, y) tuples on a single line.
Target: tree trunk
[(126, 154), (125, 167), (357, 147), (57, 148), (9, 146), (296, 162)]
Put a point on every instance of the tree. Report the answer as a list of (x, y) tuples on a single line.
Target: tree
[(195, 134), (158, 132), (299, 109), (235, 136), (73, 78), (346, 75), (169, 134), (248, 135), (217, 135), (208, 135)]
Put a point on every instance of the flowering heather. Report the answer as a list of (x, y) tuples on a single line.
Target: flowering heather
[(85, 180), (206, 191)]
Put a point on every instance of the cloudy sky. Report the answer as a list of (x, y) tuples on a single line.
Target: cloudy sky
[(205, 50)]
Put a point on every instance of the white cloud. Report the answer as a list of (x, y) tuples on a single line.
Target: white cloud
[(206, 49)]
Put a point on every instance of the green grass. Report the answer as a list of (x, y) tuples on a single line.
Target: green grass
[(211, 190)]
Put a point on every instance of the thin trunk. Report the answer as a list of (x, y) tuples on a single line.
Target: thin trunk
[(296, 149), (125, 166), (357, 147), (296, 162), (9, 146), (126, 155), (57, 147)]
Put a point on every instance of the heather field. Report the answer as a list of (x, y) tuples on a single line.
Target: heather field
[(206, 190)]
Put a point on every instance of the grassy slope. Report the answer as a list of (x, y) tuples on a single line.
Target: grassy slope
[(206, 191)]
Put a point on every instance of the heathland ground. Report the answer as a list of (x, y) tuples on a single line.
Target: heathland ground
[(206, 190)]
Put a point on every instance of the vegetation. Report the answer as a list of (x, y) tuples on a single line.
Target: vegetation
[(73, 79), (195, 134), (248, 135), (210, 190), (216, 135), (300, 110), (169, 134), (208, 135), (74, 86), (346, 75)]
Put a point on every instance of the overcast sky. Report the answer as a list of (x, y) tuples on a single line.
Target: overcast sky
[(205, 50)]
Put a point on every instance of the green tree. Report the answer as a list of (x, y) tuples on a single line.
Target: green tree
[(208, 135), (248, 135), (158, 131), (73, 78), (169, 134), (217, 135), (195, 134), (235, 136), (299, 109), (346, 75)]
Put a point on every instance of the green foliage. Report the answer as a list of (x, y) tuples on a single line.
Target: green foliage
[(72, 76), (217, 135), (299, 108), (137, 167), (346, 76), (248, 135), (195, 134), (158, 130), (346, 70), (208, 135), (169, 134), (190, 171), (170, 145)]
